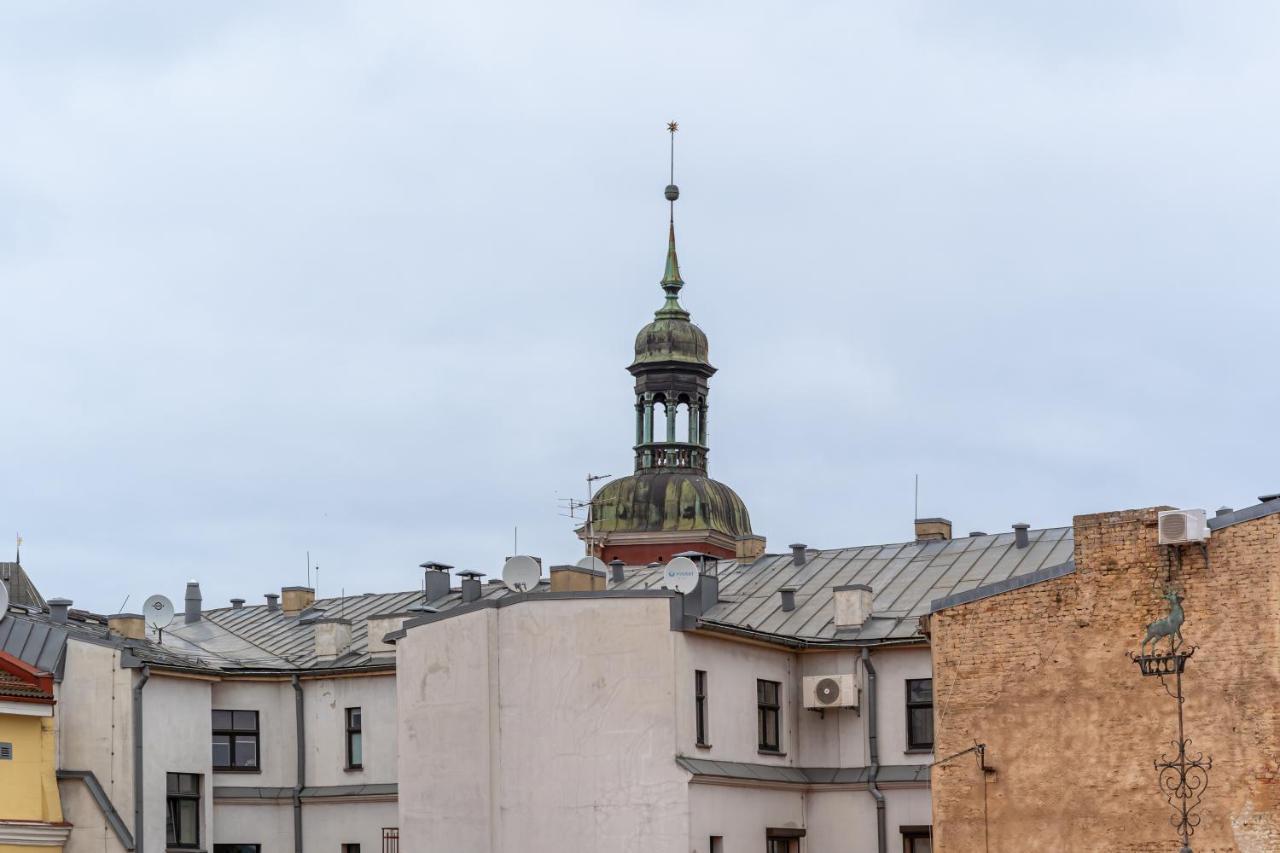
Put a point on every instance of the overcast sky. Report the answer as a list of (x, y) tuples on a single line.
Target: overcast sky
[(363, 278)]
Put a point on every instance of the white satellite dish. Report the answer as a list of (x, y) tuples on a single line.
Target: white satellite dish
[(595, 564), (681, 574), (521, 573), (4, 601), (157, 612)]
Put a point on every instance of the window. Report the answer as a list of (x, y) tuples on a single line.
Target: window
[(700, 705), (355, 747), (767, 710), (235, 741), (6, 752), (351, 848), (182, 822), (919, 713), (783, 840), (779, 845), (237, 848), (917, 839), (717, 844)]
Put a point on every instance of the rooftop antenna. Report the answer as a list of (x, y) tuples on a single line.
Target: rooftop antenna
[(917, 509), (515, 540), (17, 551), (308, 568), (317, 587), (672, 192)]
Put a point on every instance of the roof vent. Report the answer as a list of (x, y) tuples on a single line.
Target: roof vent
[(853, 605), (616, 571), (1224, 510), (977, 533), (798, 555), (932, 528), (273, 601), (1268, 498), (470, 586), (788, 598), (1020, 538), (58, 608), (237, 604), (193, 601)]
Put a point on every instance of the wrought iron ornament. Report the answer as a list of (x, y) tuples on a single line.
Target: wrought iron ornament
[(1182, 777)]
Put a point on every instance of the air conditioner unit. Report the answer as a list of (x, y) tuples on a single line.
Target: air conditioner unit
[(830, 691), (1179, 526)]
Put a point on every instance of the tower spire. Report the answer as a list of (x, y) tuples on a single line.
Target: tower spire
[(671, 281)]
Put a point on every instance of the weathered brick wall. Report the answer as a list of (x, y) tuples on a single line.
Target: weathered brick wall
[(1040, 675)]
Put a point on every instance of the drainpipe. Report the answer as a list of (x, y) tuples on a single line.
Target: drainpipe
[(874, 769), (138, 834), (302, 765)]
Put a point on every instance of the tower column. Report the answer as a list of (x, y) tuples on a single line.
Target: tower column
[(671, 422), (693, 424), (639, 421), (647, 436), (702, 418)]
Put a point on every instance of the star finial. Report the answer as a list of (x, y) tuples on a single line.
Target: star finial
[(673, 126)]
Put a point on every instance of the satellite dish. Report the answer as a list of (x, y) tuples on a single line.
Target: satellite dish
[(681, 574), (157, 612), (521, 573), (595, 564), (4, 601)]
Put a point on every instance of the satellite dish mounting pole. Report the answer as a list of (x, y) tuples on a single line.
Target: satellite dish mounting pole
[(590, 505)]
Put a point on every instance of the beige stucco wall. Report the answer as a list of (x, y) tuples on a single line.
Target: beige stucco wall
[(176, 725), (324, 707), (544, 726), (845, 821), (328, 826), (269, 824), (740, 816)]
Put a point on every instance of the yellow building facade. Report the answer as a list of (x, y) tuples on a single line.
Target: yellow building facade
[(30, 807)]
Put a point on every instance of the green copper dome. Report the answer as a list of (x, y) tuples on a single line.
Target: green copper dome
[(668, 501)]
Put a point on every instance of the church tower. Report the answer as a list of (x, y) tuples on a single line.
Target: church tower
[(670, 505)]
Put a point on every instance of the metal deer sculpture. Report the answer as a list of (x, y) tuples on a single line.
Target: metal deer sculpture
[(1170, 626)]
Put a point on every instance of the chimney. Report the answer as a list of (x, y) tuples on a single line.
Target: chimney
[(932, 528), (1268, 498), (617, 575), (470, 586), (1020, 534), (295, 599), (798, 555), (437, 580), (788, 598), (237, 604), (58, 608), (127, 626), (576, 579), (333, 637), (193, 603), (853, 605), (1224, 510), (273, 602)]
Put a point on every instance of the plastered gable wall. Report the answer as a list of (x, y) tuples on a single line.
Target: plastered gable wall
[(1040, 675), (176, 725)]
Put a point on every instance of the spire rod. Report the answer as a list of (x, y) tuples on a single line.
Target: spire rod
[(671, 281), (672, 127)]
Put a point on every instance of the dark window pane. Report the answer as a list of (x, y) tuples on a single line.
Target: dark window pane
[(221, 751), (357, 749), (171, 782), (188, 783), (221, 720), (246, 721), (353, 718), (920, 690), (188, 821), (921, 726), (246, 752)]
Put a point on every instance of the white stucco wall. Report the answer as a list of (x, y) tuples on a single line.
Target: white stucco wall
[(741, 816), (328, 826), (277, 741), (93, 719), (544, 726), (269, 824), (837, 737), (893, 667), (845, 821), (176, 737), (325, 703)]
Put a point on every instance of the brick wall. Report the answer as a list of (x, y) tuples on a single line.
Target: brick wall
[(1040, 675)]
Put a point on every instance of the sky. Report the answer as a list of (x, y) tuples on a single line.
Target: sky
[(361, 279)]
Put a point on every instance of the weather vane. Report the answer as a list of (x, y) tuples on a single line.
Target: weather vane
[(672, 192)]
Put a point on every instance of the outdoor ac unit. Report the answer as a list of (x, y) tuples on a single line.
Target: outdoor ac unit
[(1179, 526), (830, 691)]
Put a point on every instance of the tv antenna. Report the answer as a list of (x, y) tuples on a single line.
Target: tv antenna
[(157, 613), (573, 505)]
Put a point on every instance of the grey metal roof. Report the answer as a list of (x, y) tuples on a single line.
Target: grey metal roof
[(905, 578), (21, 589), (772, 773)]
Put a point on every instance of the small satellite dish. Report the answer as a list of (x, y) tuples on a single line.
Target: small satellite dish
[(595, 564), (681, 574), (521, 573), (157, 612), (4, 601)]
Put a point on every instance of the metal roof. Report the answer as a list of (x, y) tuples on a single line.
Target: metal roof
[(905, 578), (21, 589)]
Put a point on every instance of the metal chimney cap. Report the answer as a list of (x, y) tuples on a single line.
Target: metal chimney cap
[(1267, 498), (616, 562), (977, 533), (60, 602), (1021, 525), (1224, 510), (471, 575), (434, 566)]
